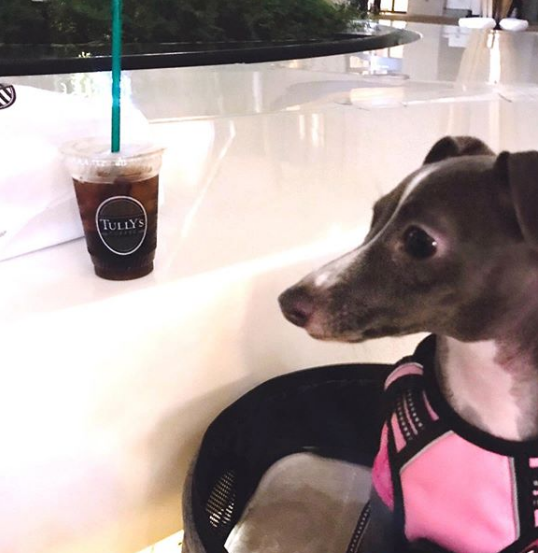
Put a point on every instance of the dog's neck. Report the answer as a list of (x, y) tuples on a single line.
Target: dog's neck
[(490, 388)]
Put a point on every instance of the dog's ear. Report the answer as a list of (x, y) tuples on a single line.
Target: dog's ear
[(455, 146), (519, 171)]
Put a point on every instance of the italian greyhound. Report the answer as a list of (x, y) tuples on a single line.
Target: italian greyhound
[(453, 251)]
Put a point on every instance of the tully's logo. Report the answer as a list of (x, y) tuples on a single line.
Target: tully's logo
[(122, 223), (7, 95)]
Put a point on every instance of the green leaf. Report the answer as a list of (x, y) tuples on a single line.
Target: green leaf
[(145, 21)]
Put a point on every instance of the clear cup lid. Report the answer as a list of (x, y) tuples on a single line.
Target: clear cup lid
[(99, 148), (90, 159)]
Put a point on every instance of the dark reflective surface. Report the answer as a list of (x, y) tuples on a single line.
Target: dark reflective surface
[(58, 59)]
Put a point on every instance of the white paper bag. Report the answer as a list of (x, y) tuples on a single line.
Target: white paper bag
[(37, 201)]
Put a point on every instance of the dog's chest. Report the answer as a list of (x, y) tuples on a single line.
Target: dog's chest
[(488, 404), (484, 393)]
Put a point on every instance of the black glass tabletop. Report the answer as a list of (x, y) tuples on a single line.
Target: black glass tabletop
[(18, 60)]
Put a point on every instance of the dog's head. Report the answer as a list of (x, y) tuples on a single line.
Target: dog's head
[(453, 249)]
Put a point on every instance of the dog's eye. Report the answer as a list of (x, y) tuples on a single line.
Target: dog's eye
[(419, 244)]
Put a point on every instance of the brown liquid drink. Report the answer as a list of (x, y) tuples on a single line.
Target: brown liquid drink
[(117, 195), (120, 224)]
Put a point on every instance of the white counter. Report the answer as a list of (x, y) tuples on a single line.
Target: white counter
[(108, 386)]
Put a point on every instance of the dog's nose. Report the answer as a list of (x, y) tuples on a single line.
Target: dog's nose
[(297, 305)]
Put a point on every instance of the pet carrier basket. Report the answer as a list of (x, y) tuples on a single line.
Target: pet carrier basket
[(332, 411)]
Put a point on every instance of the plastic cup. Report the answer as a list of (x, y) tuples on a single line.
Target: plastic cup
[(117, 195)]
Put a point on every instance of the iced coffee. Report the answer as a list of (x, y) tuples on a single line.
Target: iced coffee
[(117, 195)]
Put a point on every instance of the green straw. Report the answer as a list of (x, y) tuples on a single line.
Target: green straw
[(116, 73)]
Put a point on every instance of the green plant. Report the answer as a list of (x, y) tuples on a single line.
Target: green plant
[(23, 21), (78, 21), (84, 21)]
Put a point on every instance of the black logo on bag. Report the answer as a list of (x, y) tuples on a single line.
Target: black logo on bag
[(7, 95), (122, 224)]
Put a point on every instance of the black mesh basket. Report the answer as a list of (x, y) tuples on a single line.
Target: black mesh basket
[(333, 411)]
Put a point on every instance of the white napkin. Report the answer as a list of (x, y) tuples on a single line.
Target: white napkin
[(477, 22), (513, 24), (37, 201)]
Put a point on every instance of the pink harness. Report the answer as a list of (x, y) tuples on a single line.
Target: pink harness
[(445, 480)]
